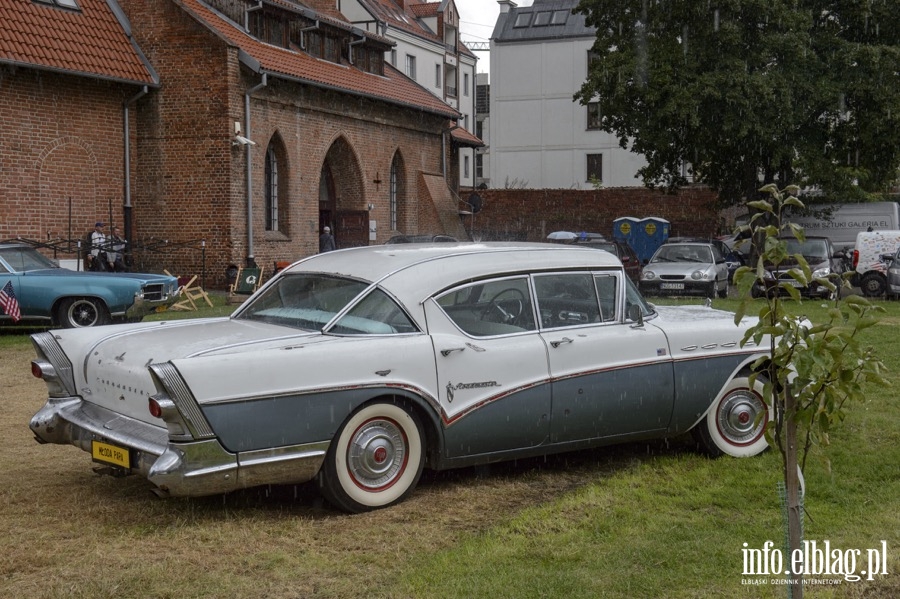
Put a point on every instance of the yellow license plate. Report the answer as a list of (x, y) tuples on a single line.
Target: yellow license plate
[(110, 454)]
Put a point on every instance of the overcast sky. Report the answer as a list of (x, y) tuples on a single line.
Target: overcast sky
[(477, 23)]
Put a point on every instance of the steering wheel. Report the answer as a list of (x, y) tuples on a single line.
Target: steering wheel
[(506, 316)]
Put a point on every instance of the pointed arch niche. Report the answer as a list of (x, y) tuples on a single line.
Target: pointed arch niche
[(397, 193), (342, 199)]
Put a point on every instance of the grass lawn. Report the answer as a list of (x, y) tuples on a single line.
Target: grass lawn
[(638, 520)]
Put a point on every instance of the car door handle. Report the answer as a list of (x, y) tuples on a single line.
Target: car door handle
[(447, 352), (560, 342)]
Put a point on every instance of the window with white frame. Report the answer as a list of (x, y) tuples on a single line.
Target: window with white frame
[(593, 116), (466, 167), (465, 84), (437, 76), (411, 66)]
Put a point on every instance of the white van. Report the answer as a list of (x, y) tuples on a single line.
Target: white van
[(871, 270), (842, 222)]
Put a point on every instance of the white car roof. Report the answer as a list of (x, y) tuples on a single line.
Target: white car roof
[(413, 272)]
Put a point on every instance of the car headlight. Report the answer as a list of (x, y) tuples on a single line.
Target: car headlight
[(698, 275), (821, 272), (648, 275), (767, 275)]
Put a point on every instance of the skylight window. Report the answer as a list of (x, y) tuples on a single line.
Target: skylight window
[(71, 4), (523, 19), (542, 18), (559, 17)]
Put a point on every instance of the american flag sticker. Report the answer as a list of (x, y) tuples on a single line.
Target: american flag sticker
[(661, 351)]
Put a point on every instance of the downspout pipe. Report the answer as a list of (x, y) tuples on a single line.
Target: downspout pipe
[(355, 43), (126, 208), (251, 259), (444, 134), (247, 12)]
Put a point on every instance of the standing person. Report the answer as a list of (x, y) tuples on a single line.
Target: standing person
[(326, 240), (98, 248), (116, 255)]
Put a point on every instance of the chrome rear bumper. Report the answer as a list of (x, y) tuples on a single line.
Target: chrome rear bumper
[(180, 469)]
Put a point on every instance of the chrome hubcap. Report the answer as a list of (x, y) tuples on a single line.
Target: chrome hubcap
[(737, 417), (377, 454)]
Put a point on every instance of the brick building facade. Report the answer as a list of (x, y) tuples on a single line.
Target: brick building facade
[(343, 141)]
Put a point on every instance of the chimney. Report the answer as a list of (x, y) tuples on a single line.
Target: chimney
[(505, 5)]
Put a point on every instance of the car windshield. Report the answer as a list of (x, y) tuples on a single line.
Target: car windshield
[(310, 301), (683, 253), (812, 250), (25, 259)]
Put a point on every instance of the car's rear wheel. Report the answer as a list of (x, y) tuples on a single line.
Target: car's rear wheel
[(735, 425), (375, 460), (78, 312)]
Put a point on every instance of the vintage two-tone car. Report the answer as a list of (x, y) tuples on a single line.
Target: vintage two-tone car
[(360, 367), (48, 294)]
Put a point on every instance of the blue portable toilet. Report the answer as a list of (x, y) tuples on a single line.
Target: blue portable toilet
[(644, 235), (624, 228)]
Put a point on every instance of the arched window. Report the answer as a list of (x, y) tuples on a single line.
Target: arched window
[(394, 191), (271, 190)]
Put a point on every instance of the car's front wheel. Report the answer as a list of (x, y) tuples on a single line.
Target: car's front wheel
[(736, 423), (375, 460), (723, 292), (77, 312), (873, 284)]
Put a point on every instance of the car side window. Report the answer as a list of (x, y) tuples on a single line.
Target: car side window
[(566, 300), (607, 291), (717, 255), (375, 314), (489, 308)]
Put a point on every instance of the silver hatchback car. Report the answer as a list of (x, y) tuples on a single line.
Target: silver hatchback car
[(686, 269)]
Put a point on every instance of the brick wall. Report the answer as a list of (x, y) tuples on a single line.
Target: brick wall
[(61, 153), (532, 214)]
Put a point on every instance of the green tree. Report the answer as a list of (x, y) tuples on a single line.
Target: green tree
[(814, 370), (803, 92)]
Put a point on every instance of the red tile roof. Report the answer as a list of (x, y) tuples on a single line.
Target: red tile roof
[(465, 138), (393, 87), (91, 42)]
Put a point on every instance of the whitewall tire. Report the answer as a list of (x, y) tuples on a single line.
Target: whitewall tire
[(375, 460), (735, 424)]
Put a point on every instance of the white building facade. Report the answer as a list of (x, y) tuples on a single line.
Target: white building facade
[(539, 136), (428, 50)]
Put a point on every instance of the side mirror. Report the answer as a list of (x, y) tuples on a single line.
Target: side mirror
[(636, 315)]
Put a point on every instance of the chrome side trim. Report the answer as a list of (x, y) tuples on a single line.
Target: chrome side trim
[(187, 405), (206, 468)]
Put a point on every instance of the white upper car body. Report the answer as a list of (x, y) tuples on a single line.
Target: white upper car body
[(360, 367)]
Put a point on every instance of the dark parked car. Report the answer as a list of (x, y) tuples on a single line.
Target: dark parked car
[(824, 261), (622, 251), (58, 296)]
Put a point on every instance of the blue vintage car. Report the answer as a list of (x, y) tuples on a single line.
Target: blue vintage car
[(58, 296)]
